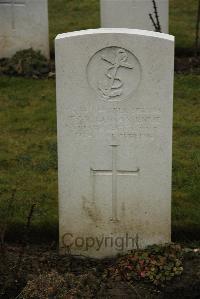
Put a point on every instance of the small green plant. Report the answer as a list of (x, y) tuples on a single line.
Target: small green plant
[(28, 63), (156, 264)]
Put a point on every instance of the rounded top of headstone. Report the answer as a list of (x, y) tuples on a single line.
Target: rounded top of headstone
[(117, 31)]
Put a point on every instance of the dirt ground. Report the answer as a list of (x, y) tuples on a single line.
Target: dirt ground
[(19, 265)]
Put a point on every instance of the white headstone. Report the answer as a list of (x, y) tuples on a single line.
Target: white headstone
[(23, 25), (134, 14), (114, 114)]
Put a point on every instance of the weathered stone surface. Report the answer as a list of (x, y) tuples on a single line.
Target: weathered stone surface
[(134, 14), (114, 113), (23, 25)]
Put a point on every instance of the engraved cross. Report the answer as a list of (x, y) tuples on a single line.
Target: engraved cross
[(13, 4), (114, 172)]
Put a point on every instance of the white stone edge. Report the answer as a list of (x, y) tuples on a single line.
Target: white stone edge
[(116, 30)]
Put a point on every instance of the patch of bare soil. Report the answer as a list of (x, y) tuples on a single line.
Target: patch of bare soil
[(187, 65), (86, 277)]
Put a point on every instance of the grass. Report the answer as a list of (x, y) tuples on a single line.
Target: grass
[(28, 158), (73, 15), (186, 156), (183, 15)]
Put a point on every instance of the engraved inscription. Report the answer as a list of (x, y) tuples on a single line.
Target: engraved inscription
[(140, 123), (114, 172), (114, 73), (13, 4)]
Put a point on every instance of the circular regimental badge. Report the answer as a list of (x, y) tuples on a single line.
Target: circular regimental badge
[(114, 73)]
